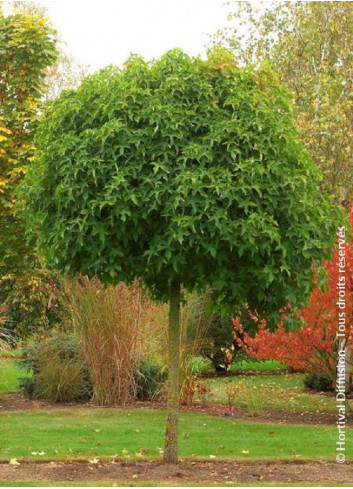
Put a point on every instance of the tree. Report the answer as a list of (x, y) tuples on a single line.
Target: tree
[(64, 74), (31, 70), (309, 45), (27, 48), (180, 171)]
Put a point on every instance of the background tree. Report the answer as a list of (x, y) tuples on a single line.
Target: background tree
[(31, 71), (309, 45), (180, 171), (65, 73), (27, 47)]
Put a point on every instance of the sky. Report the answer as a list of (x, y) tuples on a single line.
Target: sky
[(99, 33)]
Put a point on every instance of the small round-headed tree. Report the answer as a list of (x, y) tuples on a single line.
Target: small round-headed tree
[(182, 172)]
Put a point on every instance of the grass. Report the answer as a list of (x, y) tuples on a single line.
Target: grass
[(278, 392), (103, 433), (200, 364), (252, 365), (10, 352), (9, 375)]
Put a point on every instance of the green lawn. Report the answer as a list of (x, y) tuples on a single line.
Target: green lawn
[(263, 366), (202, 365), (9, 374), (103, 433), (278, 392)]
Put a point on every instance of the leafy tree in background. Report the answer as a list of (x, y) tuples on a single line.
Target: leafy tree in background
[(31, 71), (310, 45), (64, 74), (27, 48), (180, 171)]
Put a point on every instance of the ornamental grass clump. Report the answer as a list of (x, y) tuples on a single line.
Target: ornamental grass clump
[(110, 323)]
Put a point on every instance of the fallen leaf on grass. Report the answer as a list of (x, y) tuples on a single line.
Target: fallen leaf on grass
[(13, 461), (94, 460), (245, 451)]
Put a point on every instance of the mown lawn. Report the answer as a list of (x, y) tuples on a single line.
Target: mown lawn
[(278, 392), (104, 433)]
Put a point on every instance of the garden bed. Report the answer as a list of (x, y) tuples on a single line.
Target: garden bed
[(186, 473)]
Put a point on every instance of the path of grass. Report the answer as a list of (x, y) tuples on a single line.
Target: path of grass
[(103, 433), (278, 392)]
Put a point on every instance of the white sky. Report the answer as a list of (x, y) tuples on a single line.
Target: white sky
[(99, 33)]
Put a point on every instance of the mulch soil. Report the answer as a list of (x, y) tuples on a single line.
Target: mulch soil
[(221, 473)]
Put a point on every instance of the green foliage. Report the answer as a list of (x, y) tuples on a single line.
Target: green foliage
[(27, 47), (9, 376), (318, 381), (59, 372), (150, 379), (180, 167)]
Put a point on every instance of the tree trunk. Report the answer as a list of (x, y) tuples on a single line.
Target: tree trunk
[(171, 434)]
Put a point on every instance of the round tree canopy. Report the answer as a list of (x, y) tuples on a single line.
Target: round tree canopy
[(180, 167)]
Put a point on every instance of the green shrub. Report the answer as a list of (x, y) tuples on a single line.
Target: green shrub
[(318, 381), (35, 303), (59, 372), (219, 346), (149, 381)]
